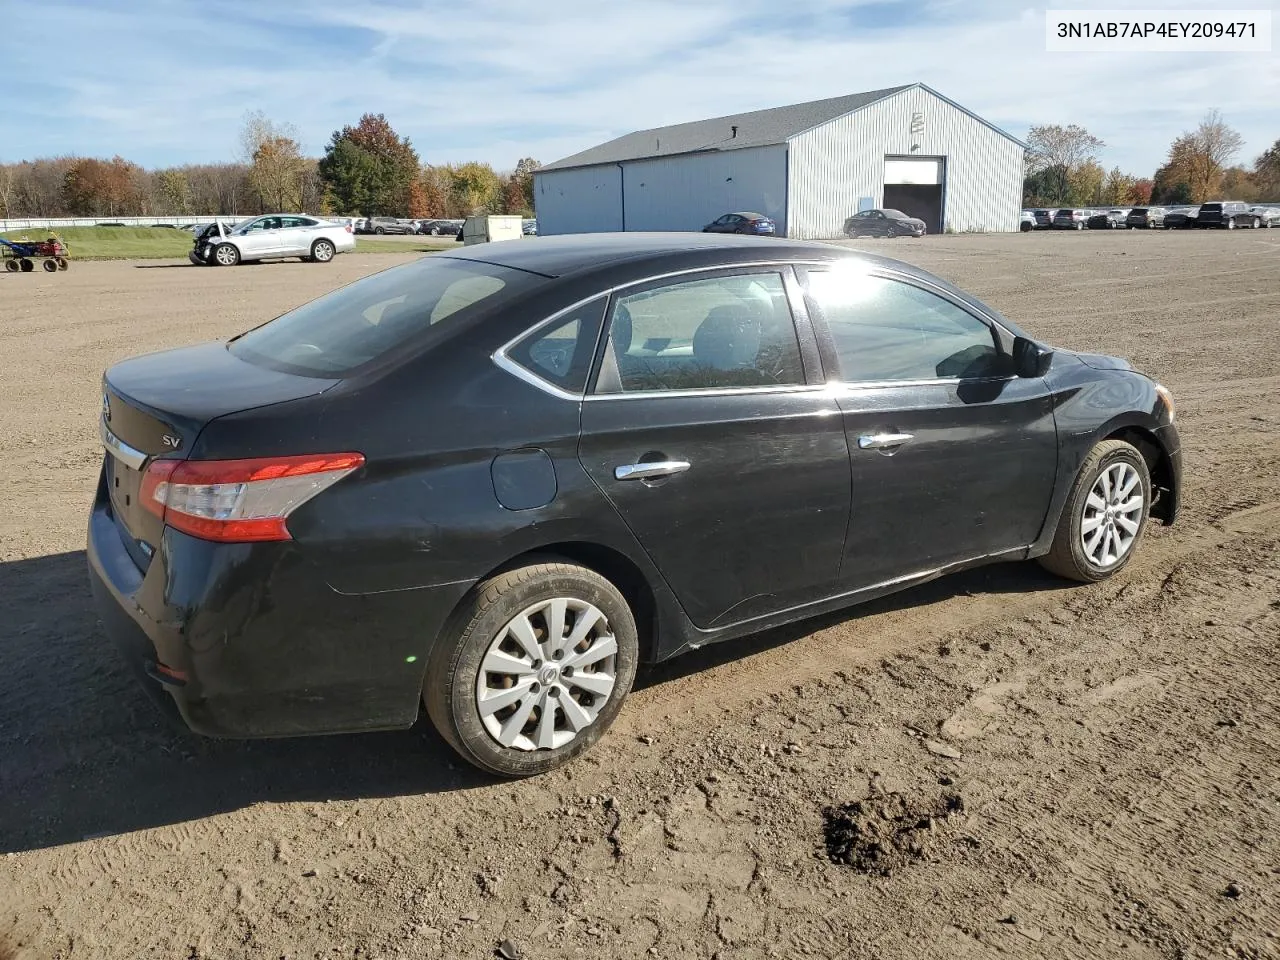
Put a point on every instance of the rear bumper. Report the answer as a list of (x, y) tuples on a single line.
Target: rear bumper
[(248, 640)]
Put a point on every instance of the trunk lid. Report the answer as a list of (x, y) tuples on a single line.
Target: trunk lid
[(156, 405)]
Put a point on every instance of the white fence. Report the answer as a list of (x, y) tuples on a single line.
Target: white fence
[(42, 223)]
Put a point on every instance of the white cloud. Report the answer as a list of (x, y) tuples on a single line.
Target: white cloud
[(499, 79)]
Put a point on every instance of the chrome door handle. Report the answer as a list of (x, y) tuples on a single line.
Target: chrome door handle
[(884, 441), (650, 471)]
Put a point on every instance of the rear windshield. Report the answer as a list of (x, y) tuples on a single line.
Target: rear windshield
[(368, 319), (1140, 211), (1210, 208)]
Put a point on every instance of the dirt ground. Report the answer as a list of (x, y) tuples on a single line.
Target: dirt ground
[(993, 764)]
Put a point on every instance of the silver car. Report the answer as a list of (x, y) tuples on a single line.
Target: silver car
[(272, 237), (1267, 217)]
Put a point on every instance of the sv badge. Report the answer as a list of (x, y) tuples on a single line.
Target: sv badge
[(169, 441)]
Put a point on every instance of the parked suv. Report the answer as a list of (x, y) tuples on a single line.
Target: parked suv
[(1070, 219), (1043, 218), (1108, 220), (381, 225), (1145, 218), (1227, 215)]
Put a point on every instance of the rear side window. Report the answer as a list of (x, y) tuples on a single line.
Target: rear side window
[(408, 306), (886, 330), (722, 332), (561, 352)]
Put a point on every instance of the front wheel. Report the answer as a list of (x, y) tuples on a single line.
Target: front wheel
[(226, 255), (1104, 515), (1231, 224), (533, 668), (891, 232), (379, 231), (322, 251)]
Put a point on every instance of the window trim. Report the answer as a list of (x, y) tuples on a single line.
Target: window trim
[(1002, 335), (810, 331), (806, 340)]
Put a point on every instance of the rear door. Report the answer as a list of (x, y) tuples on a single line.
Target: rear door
[(296, 234), (711, 433), (952, 458)]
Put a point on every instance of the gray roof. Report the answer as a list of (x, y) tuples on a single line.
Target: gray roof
[(759, 128)]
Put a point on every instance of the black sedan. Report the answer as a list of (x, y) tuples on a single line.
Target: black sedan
[(1180, 218), (754, 223), (498, 479), (883, 223)]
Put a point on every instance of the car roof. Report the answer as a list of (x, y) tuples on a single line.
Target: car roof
[(563, 256)]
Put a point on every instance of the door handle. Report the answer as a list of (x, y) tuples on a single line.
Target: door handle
[(650, 471), (884, 441)]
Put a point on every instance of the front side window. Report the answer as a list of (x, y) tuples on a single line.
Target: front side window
[(721, 332), (886, 330), (368, 319)]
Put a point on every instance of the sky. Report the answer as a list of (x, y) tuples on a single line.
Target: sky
[(165, 82)]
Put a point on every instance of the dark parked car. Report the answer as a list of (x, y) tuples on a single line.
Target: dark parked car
[(651, 442), (381, 225), (1227, 215), (756, 223), (440, 228), (1107, 220), (1044, 218), (883, 223), (1145, 218), (1070, 219), (1180, 218)]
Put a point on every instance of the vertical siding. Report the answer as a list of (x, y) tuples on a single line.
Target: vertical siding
[(581, 200), (835, 164), (688, 192)]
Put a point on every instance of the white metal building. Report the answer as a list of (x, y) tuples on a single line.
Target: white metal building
[(807, 166)]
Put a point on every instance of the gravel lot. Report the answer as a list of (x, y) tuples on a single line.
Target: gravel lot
[(992, 764)]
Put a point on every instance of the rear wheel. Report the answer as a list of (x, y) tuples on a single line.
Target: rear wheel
[(27, 265), (533, 668), (1025, 227), (49, 266), (62, 263), (1257, 222), (322, 251), (12, 266), (891, 232), (1104, 516), (1231, 224), (226, 255), (380, 231)]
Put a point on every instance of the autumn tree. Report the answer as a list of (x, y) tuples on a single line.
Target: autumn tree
[(1117, 188), (476, 187), (1200, 158), (1060, 151), (369, 168), (174, 191), (524, 177), (95, 188), (1085, 184), (276, 165), (1141, 195), (437, 187)]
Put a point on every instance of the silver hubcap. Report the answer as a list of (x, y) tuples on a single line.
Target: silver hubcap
[(1112, 515), (323, 251), (547, 674), (226, 256)]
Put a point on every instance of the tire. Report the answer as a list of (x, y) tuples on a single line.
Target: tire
[(225, 255), (1231, 224), (1068, 556), (27, 265), (1079, 226), (12, 266), (435, 231), (1256, 223), (50, 266), (62, 263), (891, 232), (322, 251), (479, 629), (380, 231), (1025, 227)]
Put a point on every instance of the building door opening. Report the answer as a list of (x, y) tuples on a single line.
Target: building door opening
[(915, 186)]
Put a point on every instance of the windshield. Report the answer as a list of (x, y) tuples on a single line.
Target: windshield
[(362, 322)]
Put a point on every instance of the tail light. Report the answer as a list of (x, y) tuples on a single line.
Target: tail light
[(348, 228), (239, 501)]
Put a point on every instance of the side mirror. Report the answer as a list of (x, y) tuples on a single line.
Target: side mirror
[(1030, 359)]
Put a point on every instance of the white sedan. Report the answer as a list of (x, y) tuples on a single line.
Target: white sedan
[(273, 237)]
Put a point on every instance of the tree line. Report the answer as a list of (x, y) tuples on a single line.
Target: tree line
[(367, 169), (1063, 170)]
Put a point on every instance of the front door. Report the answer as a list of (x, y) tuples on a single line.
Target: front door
[(952, 457), (710, 432), (262, 238)]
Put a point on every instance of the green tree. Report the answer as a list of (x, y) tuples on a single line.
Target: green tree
[(1085, 184), (369, 169), (1118, 188), (174, 190), (1266, 172)]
